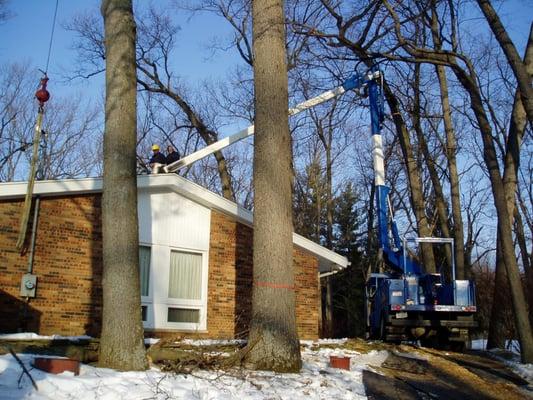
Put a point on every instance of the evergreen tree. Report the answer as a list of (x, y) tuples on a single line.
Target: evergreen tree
[(348, 285), (309, 203)]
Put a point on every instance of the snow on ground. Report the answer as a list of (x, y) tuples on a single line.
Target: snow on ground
[(510, 345), (479, 344), (523, 370), (316, 380), (510, 356), (34, 336), (211, 342)]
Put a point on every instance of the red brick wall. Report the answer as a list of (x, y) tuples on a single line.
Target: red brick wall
[(230, 282), (67, 262)]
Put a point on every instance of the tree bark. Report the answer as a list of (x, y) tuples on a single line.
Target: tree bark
[(122, 339), (329, 233), (451, 157), (523, 78), (504, 220), (440, 202), (326, 140), (455, 191), (521, 240), (497, 331), (510, 182), (415, 181), (273, 343)]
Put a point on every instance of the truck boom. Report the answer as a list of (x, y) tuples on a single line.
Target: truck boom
[(355, 82)]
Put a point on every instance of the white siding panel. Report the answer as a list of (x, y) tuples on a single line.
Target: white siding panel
[(145, 218), (169, 219), (190, 223)]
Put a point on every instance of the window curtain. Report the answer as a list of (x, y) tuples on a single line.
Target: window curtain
[(144, 269), (185, 276)]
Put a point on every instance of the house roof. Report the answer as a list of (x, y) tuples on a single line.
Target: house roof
[(328, 260)]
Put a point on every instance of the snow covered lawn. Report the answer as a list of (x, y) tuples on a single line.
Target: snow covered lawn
[(315, 381), (510, 356)]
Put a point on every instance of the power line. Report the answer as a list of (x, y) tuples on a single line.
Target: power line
[(51, 38)]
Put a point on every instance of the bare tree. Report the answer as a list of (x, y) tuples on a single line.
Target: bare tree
[(5, 14), (523, 77), (122, 339), (510, 181), (368, 19), (68, 148), (156, 40), (16, 118), (468, 78), (451, 142), (273, 341)]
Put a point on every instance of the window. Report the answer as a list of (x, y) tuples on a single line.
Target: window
[(185, 280), (185, 297), (144, 269), (145, 257), (173, 287), (183, 315), (144, 311)]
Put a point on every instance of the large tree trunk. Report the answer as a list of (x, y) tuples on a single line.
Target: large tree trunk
[(273, 343), (451, 157), (497, 329), (523, 78), (415, 181), (510, 182), (122, 339), (504, 220), (440, 202), (521, 240), (329, 237), (326, 140), (455, 191)]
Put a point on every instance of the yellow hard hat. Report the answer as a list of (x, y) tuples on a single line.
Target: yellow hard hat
[(155, 147)]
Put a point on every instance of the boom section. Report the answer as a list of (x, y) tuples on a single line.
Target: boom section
[(355, 82)]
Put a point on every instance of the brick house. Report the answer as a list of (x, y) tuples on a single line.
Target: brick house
[(195, 261)]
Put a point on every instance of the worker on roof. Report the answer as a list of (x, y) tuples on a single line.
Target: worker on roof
[(158, 160), (173, 155)]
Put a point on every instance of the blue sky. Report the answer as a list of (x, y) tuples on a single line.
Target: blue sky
[(25, 38)]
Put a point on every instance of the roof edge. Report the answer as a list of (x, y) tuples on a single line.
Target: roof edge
[(328, 259)]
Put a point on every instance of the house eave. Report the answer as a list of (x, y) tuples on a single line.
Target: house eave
[(327, 259)]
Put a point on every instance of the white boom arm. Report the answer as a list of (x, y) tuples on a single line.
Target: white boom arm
[(243, 134)]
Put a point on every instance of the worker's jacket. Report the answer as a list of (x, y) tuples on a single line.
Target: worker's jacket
[(172, 157), (158, 158)]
